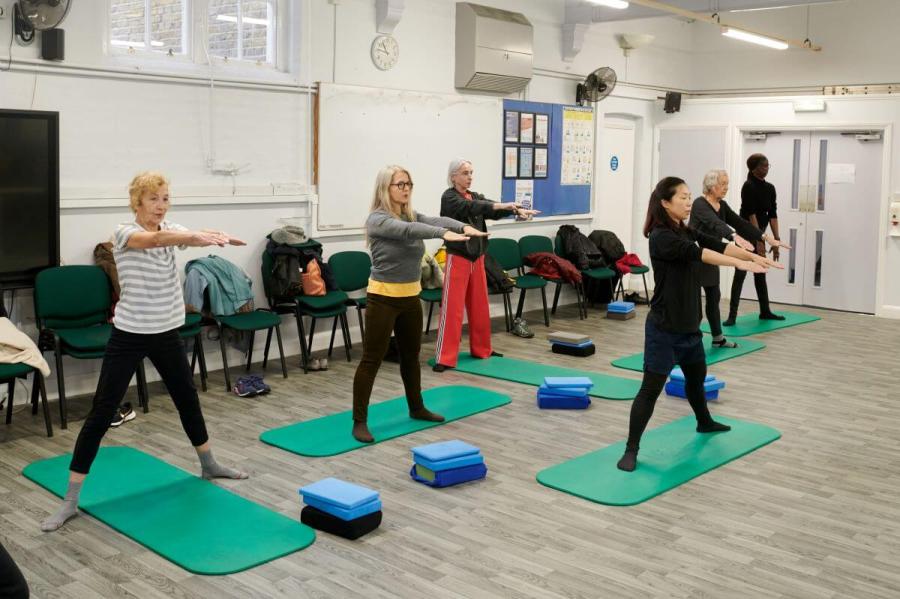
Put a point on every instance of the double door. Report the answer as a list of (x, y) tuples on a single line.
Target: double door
[(828, 186)]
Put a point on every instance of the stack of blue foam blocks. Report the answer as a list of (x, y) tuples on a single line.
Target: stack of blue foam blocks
[(564, 393), (447, 463), (620, 310), (675, 386), (341, 508)]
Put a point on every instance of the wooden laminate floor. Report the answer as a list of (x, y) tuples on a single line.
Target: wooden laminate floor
[(816, 514)]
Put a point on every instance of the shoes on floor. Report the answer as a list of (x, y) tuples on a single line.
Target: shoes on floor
[(520, 329), (245, 387), (257, 382), (125, 413)]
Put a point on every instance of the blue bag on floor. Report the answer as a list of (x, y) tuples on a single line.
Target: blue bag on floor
[(447, 478)]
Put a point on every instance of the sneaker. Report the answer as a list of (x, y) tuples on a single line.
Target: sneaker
[(257, 381), (723, 342), (314, 364), (124, 413), (323, 363), (520, 329), (244, 387)]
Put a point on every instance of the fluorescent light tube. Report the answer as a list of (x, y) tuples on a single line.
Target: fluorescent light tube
[(611, 3), (746, 36)]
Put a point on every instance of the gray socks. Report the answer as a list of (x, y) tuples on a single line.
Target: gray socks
[(67, 511), (210, 468)]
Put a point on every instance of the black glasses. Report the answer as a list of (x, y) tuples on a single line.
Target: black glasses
[(403, 185)]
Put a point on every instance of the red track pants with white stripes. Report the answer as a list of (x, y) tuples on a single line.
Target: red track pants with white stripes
[(465, 286)]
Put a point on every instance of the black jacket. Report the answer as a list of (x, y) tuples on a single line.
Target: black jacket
[(718, 224), (758, 198), (472, 212)]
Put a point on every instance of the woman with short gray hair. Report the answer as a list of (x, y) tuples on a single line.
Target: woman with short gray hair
[(711, 214)]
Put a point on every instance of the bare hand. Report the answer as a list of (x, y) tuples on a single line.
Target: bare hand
[(235, 241), (742, 243), (751, 266), (205, 238), (473, 232), (775, 243), (775, 253), (451, 236), (768, 263), (761, 248), (526, 212)]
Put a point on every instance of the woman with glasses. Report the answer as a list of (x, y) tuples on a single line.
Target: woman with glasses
[(465, 283), (395, 234)]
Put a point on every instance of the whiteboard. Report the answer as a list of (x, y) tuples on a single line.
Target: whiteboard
[(692, 152), (363, 129)]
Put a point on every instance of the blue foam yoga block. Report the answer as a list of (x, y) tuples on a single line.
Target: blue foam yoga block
[(587, 343), (446, 478), (711, 391), (338, 492), (568, 381), (444, 450), (561, 402), (450, 463), (620, 307), (568, 391), (370, 507), (678, 375)]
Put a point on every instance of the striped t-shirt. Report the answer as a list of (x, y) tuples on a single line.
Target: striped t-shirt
[(151, 300)]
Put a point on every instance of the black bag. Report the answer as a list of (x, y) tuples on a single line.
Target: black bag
[(609, 245), (578, 249), (498, 281)]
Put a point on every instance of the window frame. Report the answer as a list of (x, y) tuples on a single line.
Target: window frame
[(146, 53)]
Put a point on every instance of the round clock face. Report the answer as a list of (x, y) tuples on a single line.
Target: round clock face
[(385, 52)]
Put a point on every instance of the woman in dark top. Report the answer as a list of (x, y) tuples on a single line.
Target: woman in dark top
[(710, 214), (672, 331), (465, 283), (760, 208)]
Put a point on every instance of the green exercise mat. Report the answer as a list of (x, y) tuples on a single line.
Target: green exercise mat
[(713, 355), (670, 456), (331, 435), (750, 324), (194, 523), (532, 373)]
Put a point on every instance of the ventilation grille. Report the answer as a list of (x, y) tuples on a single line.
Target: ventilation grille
[(497, 83)]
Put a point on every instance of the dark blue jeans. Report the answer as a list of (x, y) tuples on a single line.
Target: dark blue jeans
[(124, 351)]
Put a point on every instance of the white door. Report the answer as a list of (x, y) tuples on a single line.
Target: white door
[(828, 186), (615, 193)]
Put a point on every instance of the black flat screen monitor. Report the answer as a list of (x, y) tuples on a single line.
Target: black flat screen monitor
[(29, 195)]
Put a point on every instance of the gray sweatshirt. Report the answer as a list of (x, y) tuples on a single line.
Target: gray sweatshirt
[(396, 245)]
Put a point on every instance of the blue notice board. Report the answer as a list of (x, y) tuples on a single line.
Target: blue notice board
[(551, 197)]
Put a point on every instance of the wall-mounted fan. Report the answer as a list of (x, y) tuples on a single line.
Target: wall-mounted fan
[(596, 86), (38, 15)]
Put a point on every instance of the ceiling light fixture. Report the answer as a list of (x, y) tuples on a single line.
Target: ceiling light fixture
[(611, 3), (754, 38)]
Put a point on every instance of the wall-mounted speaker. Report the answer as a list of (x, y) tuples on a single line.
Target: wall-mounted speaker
[(673, 102), (53, 44)]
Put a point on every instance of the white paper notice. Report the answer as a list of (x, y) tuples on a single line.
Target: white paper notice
[(525, 193), (840, 173), (577, 146)]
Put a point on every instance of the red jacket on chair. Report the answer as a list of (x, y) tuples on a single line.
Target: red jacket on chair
[(551, 266)]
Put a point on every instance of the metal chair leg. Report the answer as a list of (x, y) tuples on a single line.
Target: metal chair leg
[(143, 392), (345, 330), (544, 302), (39, 382), (301, 334), (312, 332), (646, 293), (521, 303), (198, 343), (556, 297), (9, 399), (281, 350), (250, 350), (266, 351), (362, 328), (224, 357), (334, 324), (61, 385)]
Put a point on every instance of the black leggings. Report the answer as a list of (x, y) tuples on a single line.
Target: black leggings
[(123, 354), (713, 297), (12, 583), (762, 291), (652, 386)]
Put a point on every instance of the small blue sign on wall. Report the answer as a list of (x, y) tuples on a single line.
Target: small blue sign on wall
[(614, 163)]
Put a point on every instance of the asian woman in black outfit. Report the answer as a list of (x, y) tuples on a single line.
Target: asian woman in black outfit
[(672, 330)]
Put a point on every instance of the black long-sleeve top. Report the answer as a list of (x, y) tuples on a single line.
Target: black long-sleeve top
[(471, 212), (758, 199), (705, 219), (675, 257)]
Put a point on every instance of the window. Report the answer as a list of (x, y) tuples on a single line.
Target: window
[(242, 30), (149, 25)]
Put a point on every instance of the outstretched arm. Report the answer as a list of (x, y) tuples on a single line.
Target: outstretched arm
[(147, 239)]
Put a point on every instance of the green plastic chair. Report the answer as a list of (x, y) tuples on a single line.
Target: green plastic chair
[(10, 373), (431, 297), (351, 271), (636, 270), (530, 244), (596, 275), (331, 305), (251, 322), (72, 305), (506, 253)]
